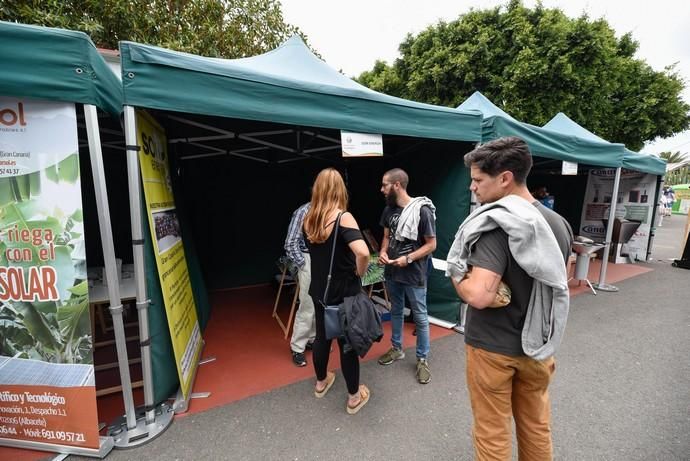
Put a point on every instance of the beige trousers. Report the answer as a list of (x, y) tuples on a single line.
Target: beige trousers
[(502, 389)]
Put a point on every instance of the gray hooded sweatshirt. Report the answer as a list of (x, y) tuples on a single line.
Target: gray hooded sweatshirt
[(535, 249)]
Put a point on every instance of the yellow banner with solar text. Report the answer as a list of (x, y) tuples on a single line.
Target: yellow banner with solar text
[(168, 248)]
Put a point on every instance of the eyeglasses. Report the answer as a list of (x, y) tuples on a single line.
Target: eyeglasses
[(384, 184)]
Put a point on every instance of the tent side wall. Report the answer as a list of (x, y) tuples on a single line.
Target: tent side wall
[(443, 176), (240, 209)]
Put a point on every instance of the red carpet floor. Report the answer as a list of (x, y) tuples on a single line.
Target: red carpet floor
[(253, 357)]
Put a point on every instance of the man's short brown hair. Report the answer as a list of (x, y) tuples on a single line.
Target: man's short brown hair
[(503, 154), (398, 175)]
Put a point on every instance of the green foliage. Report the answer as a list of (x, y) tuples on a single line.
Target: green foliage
[(679, 175), (218, 28), (673, 157), (374, 273), (534, 63)]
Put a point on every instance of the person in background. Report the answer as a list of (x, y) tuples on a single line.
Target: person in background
[(329, 203), (661, 209), (542, 194), (509, 350), (409, 238), (670, 200), (303, 330)]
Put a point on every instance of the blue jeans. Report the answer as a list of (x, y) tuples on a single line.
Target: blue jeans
[(417, 297)]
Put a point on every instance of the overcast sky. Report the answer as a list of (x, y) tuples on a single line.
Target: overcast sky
[(352, 35)]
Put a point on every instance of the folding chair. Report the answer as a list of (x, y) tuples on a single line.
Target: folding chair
[(285, 280)]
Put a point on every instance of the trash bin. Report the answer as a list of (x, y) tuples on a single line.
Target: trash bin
[(584, 253)]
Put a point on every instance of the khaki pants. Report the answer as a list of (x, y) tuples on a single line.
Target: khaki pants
[(501, 386), (304, 327)]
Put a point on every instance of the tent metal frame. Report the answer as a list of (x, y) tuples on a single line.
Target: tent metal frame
[(136, 427), (300, 152), (601, 284)]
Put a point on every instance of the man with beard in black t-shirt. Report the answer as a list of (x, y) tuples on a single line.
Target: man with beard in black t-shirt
[(409, 238)]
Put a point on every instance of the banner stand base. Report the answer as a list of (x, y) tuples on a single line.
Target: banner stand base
[(605, 287), (181, 404), (143, 433), (105, 447)]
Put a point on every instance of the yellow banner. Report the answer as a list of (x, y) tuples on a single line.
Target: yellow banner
[(167, 244)]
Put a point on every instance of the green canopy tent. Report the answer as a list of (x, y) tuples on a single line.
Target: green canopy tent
[(59, 65), (644, 163), (543, 142), (248, 136), (288, 85), (550, 148), (571, 145)]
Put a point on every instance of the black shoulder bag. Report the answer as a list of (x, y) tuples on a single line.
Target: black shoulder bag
[(332, 313)]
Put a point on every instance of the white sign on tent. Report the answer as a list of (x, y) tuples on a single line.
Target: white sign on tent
[(361, 144)]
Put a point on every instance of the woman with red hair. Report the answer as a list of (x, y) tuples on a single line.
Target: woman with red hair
[(329, 204)]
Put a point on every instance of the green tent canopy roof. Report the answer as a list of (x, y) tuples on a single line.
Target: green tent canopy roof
[(287, 85), (543, 142), (631, 160), (56, 64), (477, 101)]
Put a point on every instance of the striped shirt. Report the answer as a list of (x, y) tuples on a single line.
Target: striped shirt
[(294, 242)]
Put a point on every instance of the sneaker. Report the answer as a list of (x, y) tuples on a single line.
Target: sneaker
[(391, 356), (298, 359), (309, 346), (423, 373)]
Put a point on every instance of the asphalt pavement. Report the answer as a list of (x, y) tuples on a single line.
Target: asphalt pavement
[(621, 392)]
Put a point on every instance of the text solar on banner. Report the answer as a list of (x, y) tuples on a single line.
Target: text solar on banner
[(168, 248), (47, 389)]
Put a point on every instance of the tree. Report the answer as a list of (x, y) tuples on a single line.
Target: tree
[(534, 63), (218, 28), (673, 157)]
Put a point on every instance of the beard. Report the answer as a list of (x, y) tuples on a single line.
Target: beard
[(392, 199)]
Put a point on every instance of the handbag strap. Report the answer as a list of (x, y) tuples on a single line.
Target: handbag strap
[(330, 266)]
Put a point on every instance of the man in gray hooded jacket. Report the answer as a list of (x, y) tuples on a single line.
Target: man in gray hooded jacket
[(513, 239)]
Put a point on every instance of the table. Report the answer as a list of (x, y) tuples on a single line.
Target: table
[(98, 297)]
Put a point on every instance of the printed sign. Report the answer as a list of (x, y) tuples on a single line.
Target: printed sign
[(361, 144), (167, 243), (569, 168), (682, 199), (633, 214), (47, 388)]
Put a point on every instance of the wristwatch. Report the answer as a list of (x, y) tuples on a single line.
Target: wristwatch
[(408, 259)]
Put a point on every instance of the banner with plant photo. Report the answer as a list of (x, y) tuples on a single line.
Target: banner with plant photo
[(47, 389), (172, 267)]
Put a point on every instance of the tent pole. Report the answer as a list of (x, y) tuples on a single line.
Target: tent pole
[(152, 420), (112, 277), (138, 253), (655, 220), (602, 285)]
